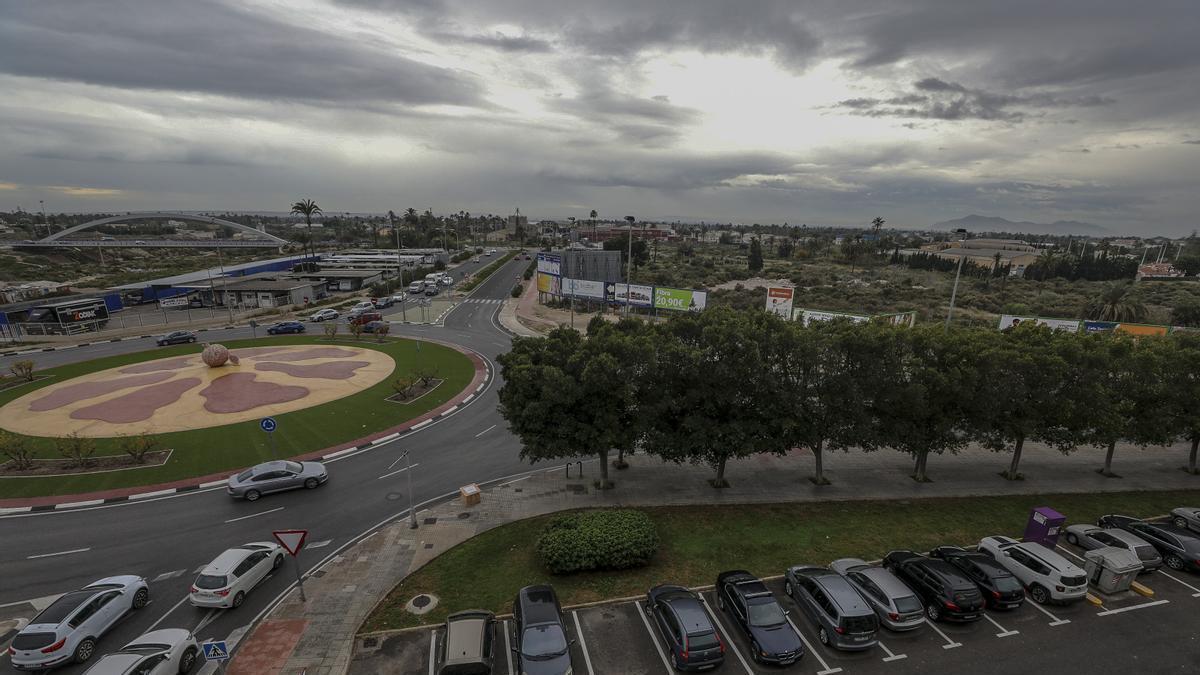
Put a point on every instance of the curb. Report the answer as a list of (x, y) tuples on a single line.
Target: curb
[(39, 350)]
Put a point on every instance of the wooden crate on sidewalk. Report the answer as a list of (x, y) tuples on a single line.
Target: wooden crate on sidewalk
[(470, 494)]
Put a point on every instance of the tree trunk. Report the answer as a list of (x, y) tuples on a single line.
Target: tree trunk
[(919, 474), (819, 464), (620, 463), (1016, 460), (1192, 456), (719, 480), (1107, 470), (604, 483)]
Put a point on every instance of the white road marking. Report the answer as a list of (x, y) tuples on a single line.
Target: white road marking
[(400, 470), (421, 424), (168, 575), (432, 649), (76, 505), (468, 398), (890, 656), (587, 658), (167, 613), (950, 644), (1132, 607), (38, 603), (507, 647), (654, 638), (319, 544), (254, 515), (205, 620), (156, 493), (485, 431), (1181, 581), (1056, 622), (826, 670), (339, 453), (450, 410), (51, 555), (732, 645), (1003, 631)]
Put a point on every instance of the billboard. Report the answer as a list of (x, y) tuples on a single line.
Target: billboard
[(906, 319), (177, 301), (638, 296), (1140, 329), (779, 301), (810, 315), (548, 283), (679, 299), (549, 263), (1009, 321), (583, 288)]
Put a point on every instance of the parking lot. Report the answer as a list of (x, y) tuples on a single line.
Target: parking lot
[(1128, 632)]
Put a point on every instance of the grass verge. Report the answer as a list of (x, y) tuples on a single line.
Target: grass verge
[(227, 448), (700, 541)]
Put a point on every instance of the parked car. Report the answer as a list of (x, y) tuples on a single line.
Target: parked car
[(374, 326), (285, 327), (276, 476), (1048, 576), (466, 644), (324, 315), (364, 318), (67, 631), (382, 303), (431, 290), (416, 287), (1089, 537), (446, 280), (227, 580), (161, 652), (896, 605), (685, 627), (1186, 517), (400, 296), (947, 594), (541, 643), (1180, 548), (1001, 588), (363, 306), (757, 613), (178, 337), (842, 617)]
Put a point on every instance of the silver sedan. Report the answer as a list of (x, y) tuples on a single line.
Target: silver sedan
[(1186, 517), (276, 476)]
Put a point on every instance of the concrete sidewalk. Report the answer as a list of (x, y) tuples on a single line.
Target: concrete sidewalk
[(317, 637)]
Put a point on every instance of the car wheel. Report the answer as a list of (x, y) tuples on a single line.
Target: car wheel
[(1174, 562), (1180, 522), (823, 636), (84, 650), (187, 661), (1040, 595), (311, 483), (755, 652), (252, 495), (720, 602), (787, 588), (934, 612), (141, 598), (1072, 539), (237, 599), (191, 339), (277, 562)]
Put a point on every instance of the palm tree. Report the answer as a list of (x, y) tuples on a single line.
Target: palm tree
[(306, 208), (1115, 304), (592, 216), (876, 227)]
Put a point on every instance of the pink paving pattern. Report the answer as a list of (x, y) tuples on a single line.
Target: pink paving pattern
[(139, 405), (254, 352), (153, 366), (237, 392), (333, 370), (74, 393), (314, 353)]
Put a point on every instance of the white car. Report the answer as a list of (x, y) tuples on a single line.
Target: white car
[(226, 581), (324, 315), (1046, 575), (67, 630), (399, 297), (160, 652)]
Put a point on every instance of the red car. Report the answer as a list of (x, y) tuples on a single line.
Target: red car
[(365, 318)]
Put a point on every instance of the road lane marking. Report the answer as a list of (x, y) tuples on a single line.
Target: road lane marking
[(1132, 607), (587, 658), (1056, 622), (1181, 581), (168, 575), (205, 620), (485, 431), (890, 656), (432, 649), (1003, 631), (826, 670), (507, 648), (654, 638), (254, 515), (51, 555), (319, 544), (950, 644), (400, 470), (725, 634), (167, 613)]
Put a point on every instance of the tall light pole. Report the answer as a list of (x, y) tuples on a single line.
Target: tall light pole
[(629, 265), (961, 256)]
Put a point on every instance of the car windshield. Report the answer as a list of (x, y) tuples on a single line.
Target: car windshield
[(1007, 584), (907, 604), (209, 581), (543, 641), (294, 467), (765, 614), (245, 475)]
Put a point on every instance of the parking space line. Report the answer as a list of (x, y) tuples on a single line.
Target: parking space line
[(507, 648), (826, 670), (587, 658), (1132, 607), (1056, 621), (654, 638), (1003, 631), (432, 649), (1181, 581), (950, 644), (890, 656), (721, 627)]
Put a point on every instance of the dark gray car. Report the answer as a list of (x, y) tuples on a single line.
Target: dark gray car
[(896, 605), (276, 476), (841, 615), (541, 643)]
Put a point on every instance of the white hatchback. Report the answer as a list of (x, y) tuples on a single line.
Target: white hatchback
[(1046, 575), (226, 581)]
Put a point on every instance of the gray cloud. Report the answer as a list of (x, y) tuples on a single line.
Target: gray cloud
[(497, 41), (944, 100)]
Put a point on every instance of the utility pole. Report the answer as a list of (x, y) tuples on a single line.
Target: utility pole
[(954, 293), (629, 265)]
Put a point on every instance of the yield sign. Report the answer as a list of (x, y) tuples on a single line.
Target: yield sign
[(291, 540)]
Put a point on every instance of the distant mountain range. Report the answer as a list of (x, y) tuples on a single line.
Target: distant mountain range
[(974, 223)]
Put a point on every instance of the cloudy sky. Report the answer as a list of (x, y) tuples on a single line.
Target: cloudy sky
[(826, 112)]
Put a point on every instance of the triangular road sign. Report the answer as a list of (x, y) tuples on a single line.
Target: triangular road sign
[(291, 540)]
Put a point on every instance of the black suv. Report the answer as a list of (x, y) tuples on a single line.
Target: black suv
[(759, 616), (685, 627), (542, 646), (948, 594), (1180, 548), (1001, 590)]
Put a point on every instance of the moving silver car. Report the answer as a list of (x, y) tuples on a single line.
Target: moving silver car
[(896, 605), (276, 476), (67, 630)]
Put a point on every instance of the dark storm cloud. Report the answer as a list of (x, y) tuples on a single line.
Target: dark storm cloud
[(504, 43), (211, 47), (952, 101)]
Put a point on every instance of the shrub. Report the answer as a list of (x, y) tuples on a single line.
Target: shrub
[(16, 448), (403, 386), (425, 375), (78, 449), (331, 329), (597, 540), (382, 330), (137, 447), (23, 370), (516, 291)]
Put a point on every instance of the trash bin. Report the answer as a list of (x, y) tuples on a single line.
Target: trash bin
[(1111, 569), (470, 494), (1044, 526)]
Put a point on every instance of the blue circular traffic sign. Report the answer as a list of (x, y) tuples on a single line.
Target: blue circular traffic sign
[(268, 424)]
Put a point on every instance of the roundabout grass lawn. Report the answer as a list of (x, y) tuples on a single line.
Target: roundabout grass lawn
[(226, 448), (698, 542)]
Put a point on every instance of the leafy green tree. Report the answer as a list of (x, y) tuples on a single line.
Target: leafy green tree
[(755, 260), (641, 251), (16, 448), (1186, 313), (1115, 303), (1181, 354)]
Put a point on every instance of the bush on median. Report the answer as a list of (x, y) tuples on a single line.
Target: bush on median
[(597, 540)]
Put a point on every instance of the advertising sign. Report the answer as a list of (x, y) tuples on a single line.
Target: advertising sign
[(547, 283), (779, 301), (583, 288), (679, 299), (810, 315), (907, 319), (1009, 321), (177, 301), (636, 295), (1141, 329), (549, 264), (1099, 326)]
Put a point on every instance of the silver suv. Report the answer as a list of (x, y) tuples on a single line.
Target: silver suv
[(843, 618), (67, 630), (896, 605)]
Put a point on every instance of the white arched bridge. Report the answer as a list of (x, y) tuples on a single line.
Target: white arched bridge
[(64, 238)]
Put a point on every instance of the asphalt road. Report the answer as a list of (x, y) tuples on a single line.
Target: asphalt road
[(167, 540)]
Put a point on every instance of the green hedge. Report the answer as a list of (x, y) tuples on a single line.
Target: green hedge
[(597, 540)]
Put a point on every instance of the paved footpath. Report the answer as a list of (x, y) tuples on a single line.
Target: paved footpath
[(317, 637)]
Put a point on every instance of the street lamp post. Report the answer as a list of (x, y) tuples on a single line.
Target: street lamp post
[(629, 265), (962, 254)]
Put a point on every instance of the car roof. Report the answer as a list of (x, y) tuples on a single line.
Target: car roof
[(464, 637), (225, 562), (538, 604), (1125, 536), (117, 663), (1044, 554), (886, 581), (690, 612), (61, 608), (840, 591)]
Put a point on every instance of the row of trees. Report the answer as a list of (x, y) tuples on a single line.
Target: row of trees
[(724, 384)]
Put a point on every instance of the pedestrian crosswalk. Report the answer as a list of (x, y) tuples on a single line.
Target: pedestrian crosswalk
[(484, 301)]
